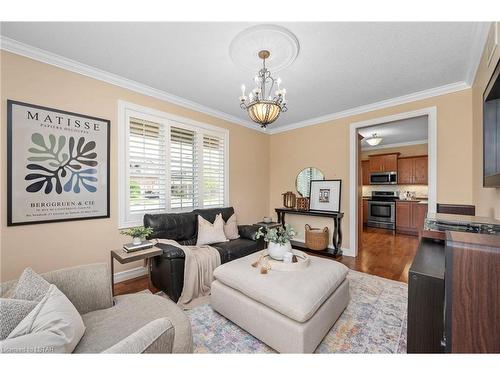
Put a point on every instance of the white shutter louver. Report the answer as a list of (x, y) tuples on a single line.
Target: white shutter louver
[(213, 171), (183, 169), (147, 164)]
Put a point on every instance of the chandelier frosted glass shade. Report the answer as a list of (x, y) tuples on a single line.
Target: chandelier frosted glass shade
[(267, 100), (264, 112), (374, 140)]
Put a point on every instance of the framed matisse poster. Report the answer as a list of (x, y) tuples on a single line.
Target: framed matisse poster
[(57, 165), (325, 195)]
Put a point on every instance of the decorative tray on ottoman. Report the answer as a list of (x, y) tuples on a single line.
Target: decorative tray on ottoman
[(269, 263)]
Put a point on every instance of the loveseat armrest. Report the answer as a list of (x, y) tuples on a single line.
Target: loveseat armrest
[(248, 231), (171, 251), (155, 337)]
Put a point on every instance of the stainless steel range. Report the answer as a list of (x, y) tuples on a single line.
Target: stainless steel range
[(382, 209)]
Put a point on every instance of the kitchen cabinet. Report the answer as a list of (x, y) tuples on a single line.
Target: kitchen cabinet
[(410, 216), (413, 170), (365, 211), (420, 170), (383, 163), (365, 172), (403, 217), (419, 213)]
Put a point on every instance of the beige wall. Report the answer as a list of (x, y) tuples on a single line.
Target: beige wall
[(326, 146), (50, 246), (261, 166), (412, 150), (487, 200)]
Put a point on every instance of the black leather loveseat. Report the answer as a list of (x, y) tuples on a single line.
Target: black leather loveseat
[(167, 272)]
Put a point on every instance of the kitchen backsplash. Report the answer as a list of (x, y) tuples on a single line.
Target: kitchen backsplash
[(421, 191)]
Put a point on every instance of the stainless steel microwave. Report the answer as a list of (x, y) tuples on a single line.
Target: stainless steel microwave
[(384, 178)]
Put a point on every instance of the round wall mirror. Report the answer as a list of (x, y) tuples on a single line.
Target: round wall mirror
[(302, 183)]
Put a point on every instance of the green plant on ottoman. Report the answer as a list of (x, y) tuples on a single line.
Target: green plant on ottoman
[(138, 234)]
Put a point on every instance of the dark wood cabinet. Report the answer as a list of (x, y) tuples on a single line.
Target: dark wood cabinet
[(410, 217), (365, 172), (413, 170), (365, 211), (472, 282), (426, 294), (383, 163)]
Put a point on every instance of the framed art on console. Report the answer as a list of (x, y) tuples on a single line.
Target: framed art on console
[(325, 195), (57, 165)]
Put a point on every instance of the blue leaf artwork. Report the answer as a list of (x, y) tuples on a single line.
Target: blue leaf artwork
[(60, 166)]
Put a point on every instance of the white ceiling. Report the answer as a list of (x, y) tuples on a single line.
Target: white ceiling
[(340, 66), (413, 130)]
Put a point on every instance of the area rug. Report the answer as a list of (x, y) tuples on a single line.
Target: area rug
[(373, 322)]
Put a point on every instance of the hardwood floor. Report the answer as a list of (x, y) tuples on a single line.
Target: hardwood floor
[(133, 286), (384, 254), (381, 253)]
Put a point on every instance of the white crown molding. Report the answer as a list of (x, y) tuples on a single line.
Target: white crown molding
[(425, 94), (479, 41), (38, 54), (400, 144)]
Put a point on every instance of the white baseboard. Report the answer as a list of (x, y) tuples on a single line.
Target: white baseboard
[(129, 274)]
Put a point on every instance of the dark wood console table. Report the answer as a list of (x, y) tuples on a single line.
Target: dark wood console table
[(337, 228)]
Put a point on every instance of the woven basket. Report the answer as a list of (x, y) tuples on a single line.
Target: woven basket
[(316, 238)]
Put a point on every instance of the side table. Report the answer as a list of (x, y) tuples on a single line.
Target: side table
[(270, 225), (123, 258)]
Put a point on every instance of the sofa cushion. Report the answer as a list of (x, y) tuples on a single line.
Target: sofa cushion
[(12, 311), (210, 233), (130, 313), (235, 249), (296, 294), (177, 227), (231, 228), (30, 286), (53, 326), (211, 213)]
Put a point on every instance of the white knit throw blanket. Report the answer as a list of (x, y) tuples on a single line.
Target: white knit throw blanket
[(199, 265)]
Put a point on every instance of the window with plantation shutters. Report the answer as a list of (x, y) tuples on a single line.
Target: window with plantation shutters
[(183, 169), (168, 164), (213, 171), (147, 164)]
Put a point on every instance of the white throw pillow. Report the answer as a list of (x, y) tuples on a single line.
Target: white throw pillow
[(209, 233), (231, 228), (53, 326)]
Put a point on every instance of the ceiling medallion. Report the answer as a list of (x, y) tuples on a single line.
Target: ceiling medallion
[(263, 104), (281, 41)]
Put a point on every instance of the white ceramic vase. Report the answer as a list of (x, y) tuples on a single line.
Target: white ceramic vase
[(137, 241), (276, 251)]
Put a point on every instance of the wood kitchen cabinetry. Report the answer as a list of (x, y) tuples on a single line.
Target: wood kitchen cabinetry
[(383, 163), (365, 211), (412, 170), (365, 172), (410, 216)]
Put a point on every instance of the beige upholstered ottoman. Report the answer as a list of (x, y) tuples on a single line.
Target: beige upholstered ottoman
[(291, 311)]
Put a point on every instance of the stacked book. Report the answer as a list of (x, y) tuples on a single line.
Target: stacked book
[(130, 247)]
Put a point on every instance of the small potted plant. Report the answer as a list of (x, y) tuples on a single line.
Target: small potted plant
[(138, 234), (278, 240)]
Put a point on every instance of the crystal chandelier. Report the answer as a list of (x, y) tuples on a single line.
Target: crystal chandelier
[(262, 104)]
